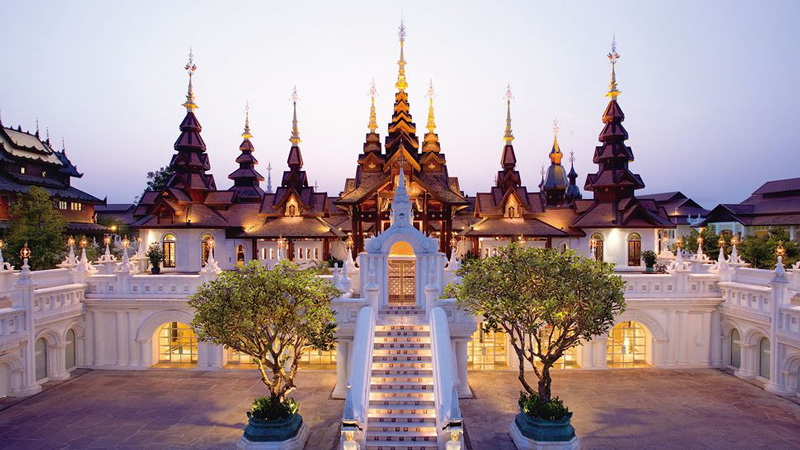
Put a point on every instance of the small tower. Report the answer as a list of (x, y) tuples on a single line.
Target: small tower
[(295, 177), (431, 142), (554, 184), (246, 180), (373, 140), (508, 177), (573, 191), (402, 128)]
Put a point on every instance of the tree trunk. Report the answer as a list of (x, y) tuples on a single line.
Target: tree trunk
[(544, 383)]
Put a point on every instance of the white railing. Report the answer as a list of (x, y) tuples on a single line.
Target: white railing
[(346, 309), (357, 401), (789, 320), (448, 412), (673, 285), (57, 300), (143, 286), (750, 297), (12, 324), (760, 277)]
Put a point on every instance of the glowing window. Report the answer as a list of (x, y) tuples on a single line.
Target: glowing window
[(168, 245), (627, 345), (634, 249), (205, 249), (177, 343), (487, 350), (597, 241)]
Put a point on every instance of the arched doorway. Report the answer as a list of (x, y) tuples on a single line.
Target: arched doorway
[(41, 359), (168, 247), (628, 345), (5, 380), (736, 349), (402, 275), (205, 248), (763, 358), (240, 252), (177, 344), (70, 355)]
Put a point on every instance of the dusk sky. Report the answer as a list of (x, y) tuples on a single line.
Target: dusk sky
[(711, 90)]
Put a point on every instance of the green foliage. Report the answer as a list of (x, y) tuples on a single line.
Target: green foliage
[(271, 315), (34, 219), (544, 300), (649, 258), (121, 229), (334, 261), (759, 250), (154, 253), (157, 180), (535, 407), (470, 255), (710, 242), (268, 408)]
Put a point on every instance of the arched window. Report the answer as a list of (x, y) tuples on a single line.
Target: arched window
[(563, 247), (205, 248), (240, 255), (596, 242), (41, 359), (763, 358), (70, 356), (511, 212), (627, 345), (177, 343), (292, 210), (736, 349), (168, 243), (634, 249)]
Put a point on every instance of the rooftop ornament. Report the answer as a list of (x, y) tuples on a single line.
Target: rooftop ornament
[(780, 251), (3, 265)]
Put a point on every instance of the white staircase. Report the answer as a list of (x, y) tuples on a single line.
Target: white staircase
[(402, 413)]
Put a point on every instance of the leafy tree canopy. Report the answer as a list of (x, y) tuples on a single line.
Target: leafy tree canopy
[(35, 220), (271, 315), (759, 249), (157, 180), (546, 302)]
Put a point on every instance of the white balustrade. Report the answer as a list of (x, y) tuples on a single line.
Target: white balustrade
[(12, 325)]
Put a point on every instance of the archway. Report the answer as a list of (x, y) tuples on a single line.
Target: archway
[(5, 379), (40, 358), (176, 345), (70, 353), (402, 274), (629, 345), (736, 349)]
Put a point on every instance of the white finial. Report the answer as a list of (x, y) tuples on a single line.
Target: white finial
[(295, 139), (508, 137), (190, 69), (613, 56), (571, 157), (555, 126)]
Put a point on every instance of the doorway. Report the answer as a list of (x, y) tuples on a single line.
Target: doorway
[(402, 275)]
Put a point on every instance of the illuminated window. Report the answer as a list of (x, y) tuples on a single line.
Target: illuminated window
[(634, 249), (205, 248), (627, 345), (240, 255), (263, 253), (736, 349), (22, 170), (272, 253), (763, 358), (568, 360), (597, 241), (168, 244), (62, 205), (318, 358), (40, 350), (299, 253), (177, 344), (316, 253), (487, 350), (308, 253), (70, 355)]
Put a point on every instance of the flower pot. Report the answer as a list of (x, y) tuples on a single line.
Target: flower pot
[(272, 430), (542, 430), (650, 269), (155, 270)]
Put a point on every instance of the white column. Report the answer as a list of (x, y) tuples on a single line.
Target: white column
[(681, 338), (747, 369), (342, 375), (716, 339), (461, 368), (121, 359), (26, 286), (57, 361), (88, 340), (777, 382)]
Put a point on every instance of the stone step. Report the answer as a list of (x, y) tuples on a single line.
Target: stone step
[(400, 440), (391, 344), (401, 411), (401, 359), (402, 373), (401, 396), (402, 419), (392, 383), (400, 365), (381, 445), (418, 340), (401, 327), (394, 388), (401, 402), (390, 352), (402, 312)]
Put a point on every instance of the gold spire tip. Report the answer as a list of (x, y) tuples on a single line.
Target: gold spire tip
[(613, 56), (431, 120), (508, 137), (401, 84), (246, 133), (295, 139), (373, 124), (190, 67)]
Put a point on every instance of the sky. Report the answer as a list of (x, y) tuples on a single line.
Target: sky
[(710, 89)]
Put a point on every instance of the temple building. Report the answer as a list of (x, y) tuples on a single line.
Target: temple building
[(28, 160)]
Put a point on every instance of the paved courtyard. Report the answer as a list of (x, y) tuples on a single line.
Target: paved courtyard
[(617, 409)]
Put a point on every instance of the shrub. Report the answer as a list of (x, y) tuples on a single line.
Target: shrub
[(155, 254), (535, 407), (271, 408), (649, 258)]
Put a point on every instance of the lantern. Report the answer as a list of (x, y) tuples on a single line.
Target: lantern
[(210, 242), (349, 241), (84, 243), (107, 240), (71, 241), (126, 242), (453, 242), (780, 251), (2, 244), (25, 252), (679, 242), (721, 242)]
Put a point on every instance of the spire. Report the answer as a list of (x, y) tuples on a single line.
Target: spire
[(37, 127), (555, 153), (190, 68), (401, 203), (509, 136), (613, 56), (555, 182), (431, 142), (373, 125), (246, 133), (269, 178), (246, 180), (401, 84), (295, 139)]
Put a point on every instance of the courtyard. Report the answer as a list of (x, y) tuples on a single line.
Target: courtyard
[(615, 409)]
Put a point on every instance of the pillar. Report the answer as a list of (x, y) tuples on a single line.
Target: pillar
[(122, 339), (460, 346), (780, 286), (716, 339), (26, 286), (57, 362), (748, 361), (342, 363)]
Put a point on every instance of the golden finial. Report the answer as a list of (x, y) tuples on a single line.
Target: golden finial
[(190, 68), (555, 154), (373, 125), (295, 139), (431, 121), (246, 134), (401, 74), (509, 136), (613, 56)]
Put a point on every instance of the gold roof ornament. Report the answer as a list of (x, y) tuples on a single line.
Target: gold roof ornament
[(401, 73), (555, 154), (190, 67), (373, 124), (509, 136), (613, 56), (295, 139), (246, 133), (431, 120)]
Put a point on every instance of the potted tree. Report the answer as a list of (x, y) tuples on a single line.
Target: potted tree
[(155, 254), (649, 258), (270, 315), (547, 302)]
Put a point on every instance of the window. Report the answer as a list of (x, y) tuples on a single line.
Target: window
[(596, 242), (44, 174), (736, 349), (318, 358), (272, 253), (70, 355), (263, 253), (316, 253), (634, 249), (168, 243), (308, 253), (487, 350), (205, 249), (627, 345), (22, 170), (240, 255), (763, 358), (299, 253), (41, 359), (177, 343), (76, 206), (292, 211), (62, 205)]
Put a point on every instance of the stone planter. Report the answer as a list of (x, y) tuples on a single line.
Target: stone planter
[(290, 433), (650, 269), (155, 270), (529, 433)]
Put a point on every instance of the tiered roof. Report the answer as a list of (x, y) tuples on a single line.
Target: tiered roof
[(246, 180), (554, 185)]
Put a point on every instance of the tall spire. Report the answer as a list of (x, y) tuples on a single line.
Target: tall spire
[(555, 153), (401, 84), (246, 180), (431, 141), (373, 124), (295, 139), (269, 178), (509, 136), (573, 192), (613, 56), (190, 68), (246, 133)]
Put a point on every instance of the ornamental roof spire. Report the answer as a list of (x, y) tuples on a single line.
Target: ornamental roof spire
[(509, 136), (401, 73), (295, 139), (246, 133), (190, 67), (613, 56), (431, 142), (555, 153), (373, 124)]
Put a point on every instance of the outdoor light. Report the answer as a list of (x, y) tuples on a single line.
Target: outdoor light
[(349, 241), (71, 241), (114, 228), (107, 239), (453, 242), (592, 242), (2, 244), (734, 240), (25, 252), (721, 242), (210, 242), (780, 251), (84, 243), (700, 241), (126, 242), (679, 242)]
